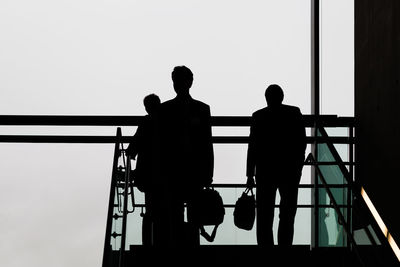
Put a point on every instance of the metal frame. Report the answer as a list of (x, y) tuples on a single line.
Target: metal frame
[(310, 121), (315, 109)]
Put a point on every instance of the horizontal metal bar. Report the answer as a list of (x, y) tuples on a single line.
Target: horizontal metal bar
[(82, 120), (243, 186), (276, 206), (299, 186), (61, 139), (310, 139), (126, 139)]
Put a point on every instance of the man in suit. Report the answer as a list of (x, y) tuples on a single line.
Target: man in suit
[(187, 159), (275, 158)]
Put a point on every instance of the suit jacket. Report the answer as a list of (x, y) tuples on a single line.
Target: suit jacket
[(187, 156), (144, 145), (277, 141)]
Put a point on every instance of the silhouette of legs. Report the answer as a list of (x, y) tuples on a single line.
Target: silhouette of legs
[(265, 197), (266, 194), (287, 213), (160, 218), (192, 228), (147, 224)]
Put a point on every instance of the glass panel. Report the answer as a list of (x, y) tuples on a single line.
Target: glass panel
[(331, 232), (228, 233), (230, 163), (362, 237)]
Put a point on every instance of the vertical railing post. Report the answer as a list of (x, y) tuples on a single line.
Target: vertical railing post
[(124, 213), (315, 193), (349, 185), (315, 110), (107, 242)]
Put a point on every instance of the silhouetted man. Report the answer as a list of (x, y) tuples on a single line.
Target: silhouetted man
[(275, 157), (144, 146), (187, 159)]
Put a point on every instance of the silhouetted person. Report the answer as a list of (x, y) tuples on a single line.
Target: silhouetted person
[(187, 159), (275, 157), (144, 147)]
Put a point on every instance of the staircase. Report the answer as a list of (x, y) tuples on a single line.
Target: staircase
[(349, 252)]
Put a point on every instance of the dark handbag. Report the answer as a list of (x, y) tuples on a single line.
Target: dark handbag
[(245, 210), (208, 209)]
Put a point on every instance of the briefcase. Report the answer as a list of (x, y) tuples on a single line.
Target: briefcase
[(208, 207), (245, 210)]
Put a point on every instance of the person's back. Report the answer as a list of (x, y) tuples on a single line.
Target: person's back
[(187, 149), (275, 157), (279, 137)]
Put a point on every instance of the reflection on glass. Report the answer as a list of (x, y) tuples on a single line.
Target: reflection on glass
[(228, 233), (331, 231)]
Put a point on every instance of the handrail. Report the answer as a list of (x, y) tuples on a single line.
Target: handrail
[(216, 121), (311, 159), (98, 120), (107, 239), (355, 189), (98, 139), (336, 156), (357, 196), (116, 182)]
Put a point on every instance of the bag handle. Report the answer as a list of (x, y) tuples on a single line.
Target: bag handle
[(207, 236), (249, 189)]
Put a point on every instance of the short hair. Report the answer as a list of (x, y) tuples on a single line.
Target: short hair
[(182, 74), (151, 101), (274, 94)]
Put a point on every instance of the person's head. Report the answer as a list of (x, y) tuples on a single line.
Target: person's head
[(182, 78), (151, 103), (274, 95)]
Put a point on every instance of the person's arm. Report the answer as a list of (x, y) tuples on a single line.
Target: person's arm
[(301, 133), (134, 145), (209, 149), (251, 162)]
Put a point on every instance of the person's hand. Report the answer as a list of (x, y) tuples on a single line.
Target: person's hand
[(206, 182), (209, 182), (250, 182)]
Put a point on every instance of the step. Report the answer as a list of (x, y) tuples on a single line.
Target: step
[(241, 255)]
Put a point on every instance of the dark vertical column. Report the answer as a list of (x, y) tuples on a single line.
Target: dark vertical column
[(377, 106), (315, 110)]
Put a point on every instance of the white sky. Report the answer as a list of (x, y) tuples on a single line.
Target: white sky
[(101, 58)]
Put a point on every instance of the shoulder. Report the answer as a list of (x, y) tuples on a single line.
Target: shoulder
[(168, 103), (167, 106), (260, 112), (291, 109), (200, 105)]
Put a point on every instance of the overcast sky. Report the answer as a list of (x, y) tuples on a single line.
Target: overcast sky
[(92, 57)]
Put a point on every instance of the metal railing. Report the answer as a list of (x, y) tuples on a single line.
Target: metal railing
[(125, 186), (310, 122)]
